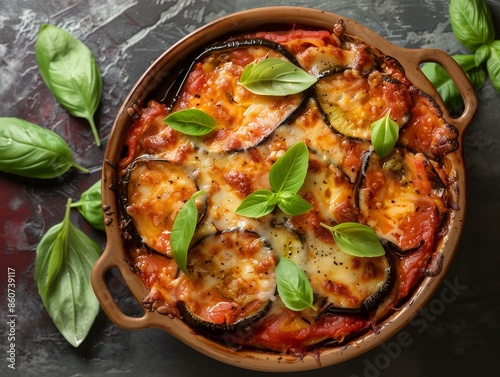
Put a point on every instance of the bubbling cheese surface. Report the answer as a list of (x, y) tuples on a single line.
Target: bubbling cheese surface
[(232, 258)]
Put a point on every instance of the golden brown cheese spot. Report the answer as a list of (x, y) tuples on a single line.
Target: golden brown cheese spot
[(157, 191), (231, 275)]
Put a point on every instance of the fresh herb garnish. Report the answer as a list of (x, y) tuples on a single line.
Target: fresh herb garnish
[(183, 231), (275, 77), (294, 288), (90, 206), (64, 259), (472, 25), (70, 71), (385, 133), (356, 239), (192, 122), (29, 150), (286, 177)]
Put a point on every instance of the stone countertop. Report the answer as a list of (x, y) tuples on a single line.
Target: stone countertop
[(455, 334)]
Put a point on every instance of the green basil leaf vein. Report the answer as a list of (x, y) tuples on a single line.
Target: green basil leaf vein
[(70, 71), (356, 239), (275, 77), (183, 230), (384, 134), (472, 23), (259, 203), (292, 204), (493, 65), (294, 288), (192, 122), (64, 259), (29, 150), (90, 206), (289, 171)]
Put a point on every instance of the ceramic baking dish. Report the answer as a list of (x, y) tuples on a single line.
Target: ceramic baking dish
[(114, 254)]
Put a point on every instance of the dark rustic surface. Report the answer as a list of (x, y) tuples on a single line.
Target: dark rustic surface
[(456, 334)]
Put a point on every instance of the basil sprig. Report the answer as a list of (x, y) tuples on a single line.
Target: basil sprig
[(293, 286), (384, 134), (183, 231), (64, 259), (275, 77), (472, 25), (356, 239), (29, 150), (90, 206), (192, 122), (286, 177), (70, 71)]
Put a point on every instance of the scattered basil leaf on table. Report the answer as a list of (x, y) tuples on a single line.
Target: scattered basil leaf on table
[(183, 230), (275, 77), (443, 83), (63, 262), (286, 177), (471, 23), (294, 288), (70, 71), (356, 239), (385, 133), (493, 65), (90, 206), (29, 150), (192, 122)]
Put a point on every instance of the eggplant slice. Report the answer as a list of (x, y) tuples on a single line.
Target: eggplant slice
[(231, 282), (402, 198), (243, 119), (153, 192)]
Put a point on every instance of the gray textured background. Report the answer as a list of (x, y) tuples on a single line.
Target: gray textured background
[(456, 336)]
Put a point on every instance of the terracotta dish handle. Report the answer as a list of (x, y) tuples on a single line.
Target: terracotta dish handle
[(415, 57), (98, 278)]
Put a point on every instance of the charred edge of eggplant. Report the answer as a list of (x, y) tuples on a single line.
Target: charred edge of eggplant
[(400, 251), (213, 329), (127, 221), (370, 303), (178, 85)]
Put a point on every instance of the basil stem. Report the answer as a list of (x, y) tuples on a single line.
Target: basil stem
[(29, 150), (183, 230), (90, 206), (192, 122), (275, 77), (384, 134), (64, 259), (293, 285), (70, 71), (356, 239)]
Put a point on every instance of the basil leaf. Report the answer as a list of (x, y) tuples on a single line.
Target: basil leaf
[(64, 259), (70, 71), (471, 23), (449, 93), (385, 133), (275, 77), (257, 204), (292, 204), (29, 150), (192, 122), (356, 239), (183, 231), (290, 170), (90, 206), (481, 55), (493, 65), (294, 288)]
